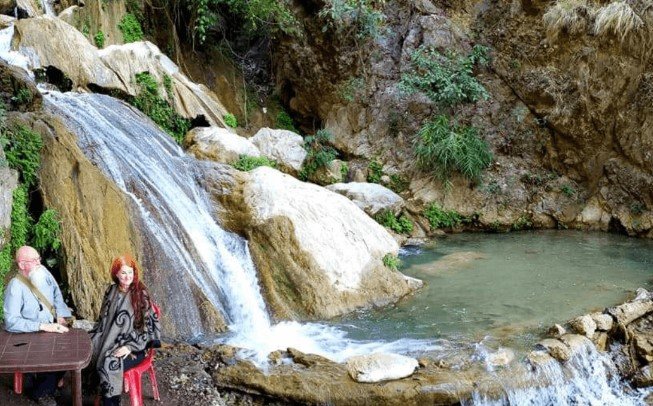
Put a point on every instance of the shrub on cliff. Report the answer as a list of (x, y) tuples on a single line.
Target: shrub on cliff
[(130, 28), (360, 18), (320, 153), (444, 148), (617, 18), (566, 15)]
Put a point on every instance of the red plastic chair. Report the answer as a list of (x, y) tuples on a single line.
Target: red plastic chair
[(132, 378)]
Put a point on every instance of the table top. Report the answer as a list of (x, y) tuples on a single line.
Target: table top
[(40, 352)]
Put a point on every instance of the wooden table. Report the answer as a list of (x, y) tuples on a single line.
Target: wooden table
[(47, 352)]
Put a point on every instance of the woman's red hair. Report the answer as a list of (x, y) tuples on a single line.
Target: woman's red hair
[(138, 291)]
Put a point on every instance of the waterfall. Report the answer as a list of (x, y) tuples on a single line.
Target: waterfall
[(587, 378), (46, 5)]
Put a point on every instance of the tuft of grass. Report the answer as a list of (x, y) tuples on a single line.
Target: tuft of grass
[(130, 28), (568, 191), (99, 39), (246, 163), (617, 18), (445, 148), (230, 120), (566, 15), (374, 171), (391, 261)]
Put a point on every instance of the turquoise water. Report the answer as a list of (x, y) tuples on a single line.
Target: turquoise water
[(509, 286)]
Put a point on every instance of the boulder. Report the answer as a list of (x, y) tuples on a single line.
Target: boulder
[(555, 348), (575, 342), (218, 144), (601, 340), (644, 345), (556, 331), (331, 173), (49, 41), (584, 325), (318, 255), (539, 358), (380, 367), (370, 197), (188, 99), (283, 146), (604, 322), (630, 311), (501, 357)]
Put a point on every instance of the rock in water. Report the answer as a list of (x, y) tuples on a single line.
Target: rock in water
[(380, 367)]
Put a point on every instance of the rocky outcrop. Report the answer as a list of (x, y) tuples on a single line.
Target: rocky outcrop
[(283, 146), (218, 144), (317, 254), (95, 16), (379, 367), (370, 197)]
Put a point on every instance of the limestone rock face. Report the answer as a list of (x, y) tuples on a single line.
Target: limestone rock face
[(28, 8), (628, 312), (96, 16), (370, 197), (189, 99), (283, 146), (218, 144), (584, 325), (380, 367), (318, 255), (604, 322), (50, 41)]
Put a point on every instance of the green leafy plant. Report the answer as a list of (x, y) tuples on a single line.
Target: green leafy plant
[(22, 151), (99, 39), (86, 29), (47, 231), (374, 171), (351, 88), (568, 191), (400, 225), (361, 19), (447, 80), (440, 218), (344, 171), (159, 110), (23, 96), (247, 163), (397, 183), (130, 28), (167, 85), (230, 120), (524, 222), (445, 148), (319, 153), (284, 121), (391, 261)]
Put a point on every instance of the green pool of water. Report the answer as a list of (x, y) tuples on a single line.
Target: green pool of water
[(509, 286)]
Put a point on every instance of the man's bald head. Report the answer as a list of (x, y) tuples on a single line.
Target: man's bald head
[(27, 258)]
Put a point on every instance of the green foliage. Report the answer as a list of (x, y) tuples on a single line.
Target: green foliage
[(130, 28), (374, 171), (344, 171), (391, 261), (447, 80), (400, 225), (247, 163), (359, 18), (284, 121), (167, 85), (637, 208), (23, 96), (259, 17), (159, 110), (397, 183), (524, 222), (568, 191), (22, 149), (86, 29), (21, 221), (230, 120), (319, 153), (351, 88), (99, 39), (440, 218), (444, 148), (47, 231)]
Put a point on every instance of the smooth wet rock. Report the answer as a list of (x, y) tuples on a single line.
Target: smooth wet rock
[(370, 197), (539, 358), (644, 345), (576, 342), (380, 367), (556, 331), (604, 322), (601, 340), (628, 312), (584, 325), (283, 146), (218, 144), (556, 348), (501, 358)]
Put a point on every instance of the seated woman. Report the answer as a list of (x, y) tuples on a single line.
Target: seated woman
[(127, 326)]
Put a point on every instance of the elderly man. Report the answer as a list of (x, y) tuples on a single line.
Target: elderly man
[(33, 302)]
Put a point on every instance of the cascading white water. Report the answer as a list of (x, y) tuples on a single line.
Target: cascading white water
[(147, 165), (587, 378)]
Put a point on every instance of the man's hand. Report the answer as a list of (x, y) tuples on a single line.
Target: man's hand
[(121, 352), (53, 328), (62, 321)]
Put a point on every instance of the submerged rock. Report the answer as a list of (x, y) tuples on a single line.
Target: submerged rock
[(380, 367), (452, 261)]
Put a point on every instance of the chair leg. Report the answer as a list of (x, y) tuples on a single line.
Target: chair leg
[(155, 385), (135, 394), (18, 382)]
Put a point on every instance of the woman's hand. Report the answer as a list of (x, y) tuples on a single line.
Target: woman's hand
[(121, 352)]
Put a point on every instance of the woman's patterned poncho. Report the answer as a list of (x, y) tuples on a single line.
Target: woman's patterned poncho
[(114, 329)]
